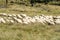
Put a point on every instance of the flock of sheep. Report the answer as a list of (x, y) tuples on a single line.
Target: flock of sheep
[(24, 19)]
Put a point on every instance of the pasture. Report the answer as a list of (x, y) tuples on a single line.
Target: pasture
[(35, 31)]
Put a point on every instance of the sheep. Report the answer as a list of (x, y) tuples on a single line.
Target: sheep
[(26, 21), (23, 18), (2, 20), (17, 20), (33, 20), (14, 15), (23, 15), (58, 17), (10, 20), (50, 20), (6, 19), (42, 19), (38, 19), (3, 14), (19, 16), (9, 15), (57, 21)]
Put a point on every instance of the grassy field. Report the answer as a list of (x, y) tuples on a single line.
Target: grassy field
[(29, 32), (36, 10), (32, 31)]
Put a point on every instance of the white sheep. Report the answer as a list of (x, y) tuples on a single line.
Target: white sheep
[(14, 15), (12, 21), (58, 17), (19, 16), (42, 19), (33, 20), (50, 20), (9, 20), (57, 21), (26, 21), (9, 15), (23, 15), (3, 14), (2, 20), (17, 20), (6, 19)]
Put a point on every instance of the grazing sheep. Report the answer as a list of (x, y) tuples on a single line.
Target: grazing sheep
[(26, 21), (33, 20), (19, 16), (14, 15), (57, 21), (2, 20), (23, 15), (42, 19), (50, 20), (7, 20), (17, 20), (58, 17), (10, 19), (9, 15), (3, 14)]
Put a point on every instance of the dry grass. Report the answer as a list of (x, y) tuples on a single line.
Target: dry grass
[(29, 32), (42, 9)]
